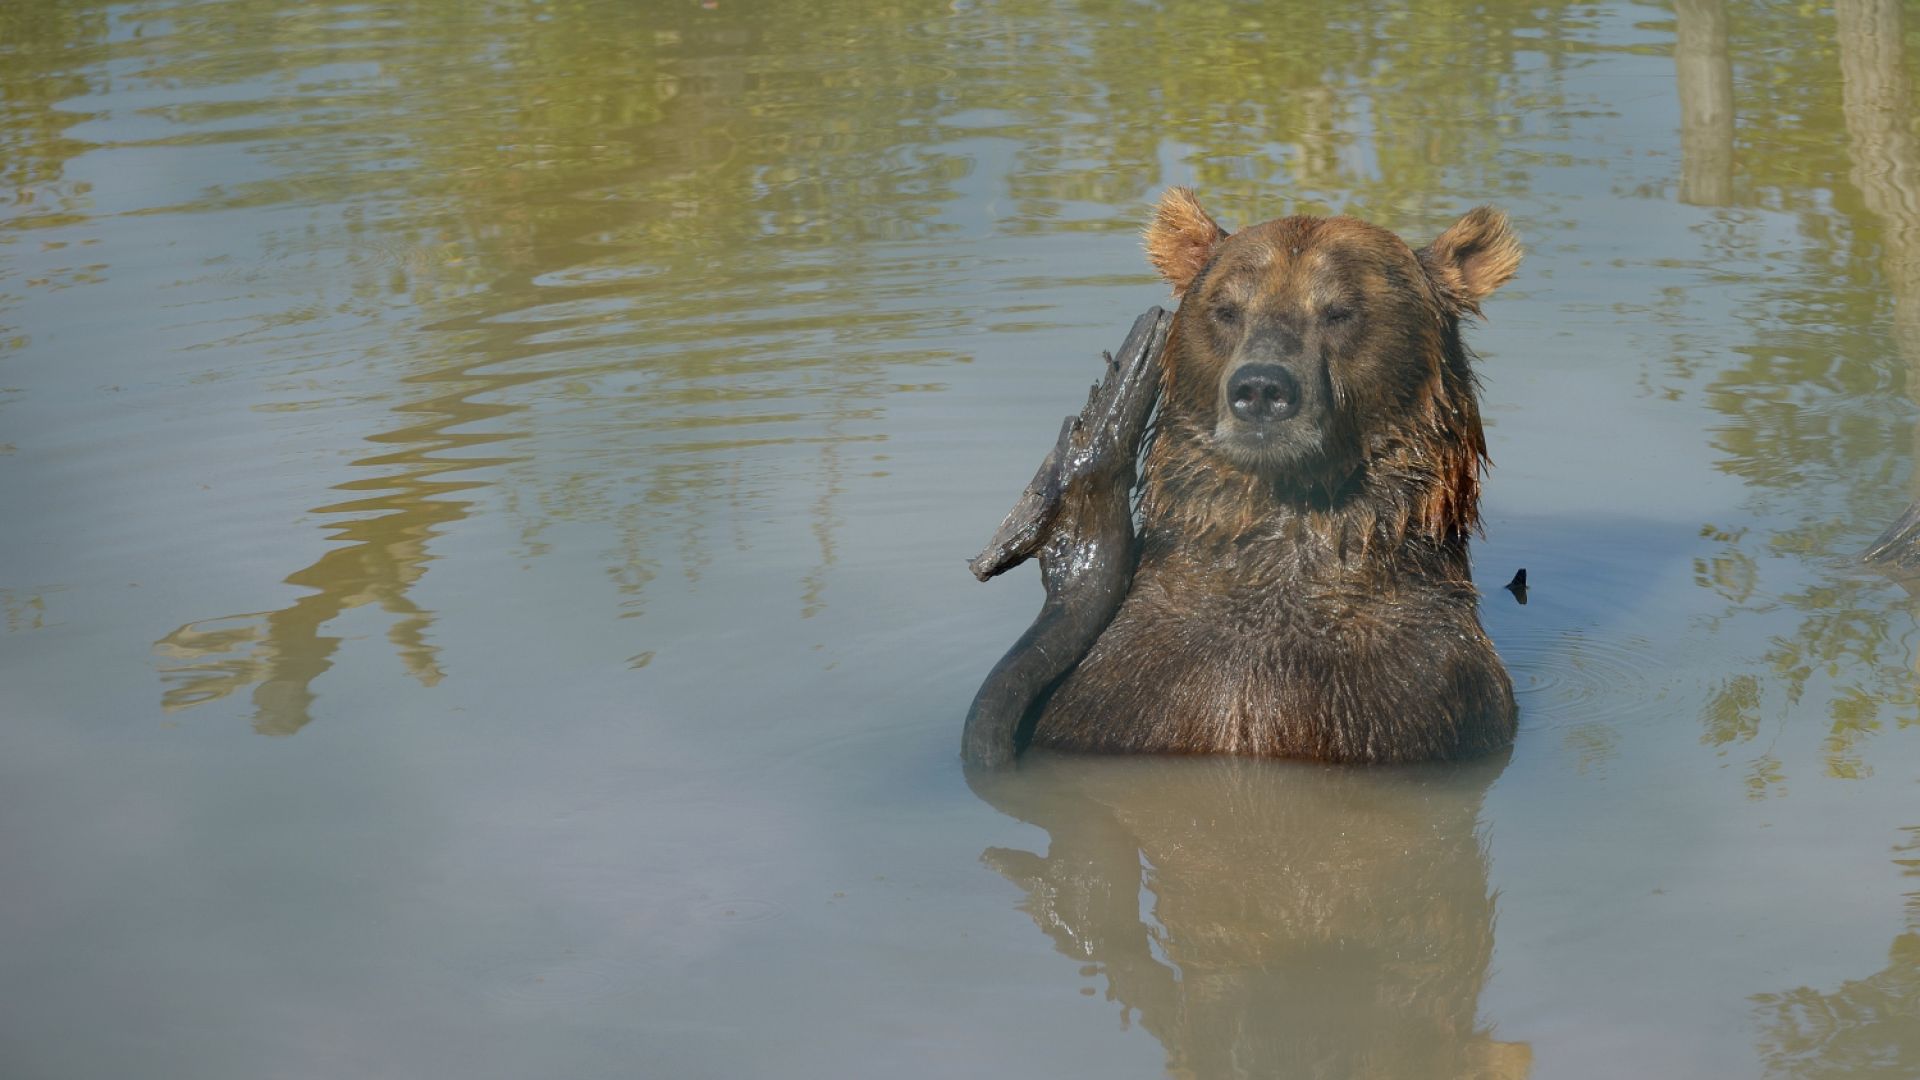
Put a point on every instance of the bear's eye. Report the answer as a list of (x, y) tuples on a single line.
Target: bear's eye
[(1226, 314), (1334, 316)]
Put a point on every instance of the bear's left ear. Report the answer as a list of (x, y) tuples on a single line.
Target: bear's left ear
[(1182, 238), (1475, 256)]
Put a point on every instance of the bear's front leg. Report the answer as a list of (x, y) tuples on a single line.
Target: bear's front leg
[(1077, 517)]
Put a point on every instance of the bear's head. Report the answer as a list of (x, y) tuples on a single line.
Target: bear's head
[(1316, 360)]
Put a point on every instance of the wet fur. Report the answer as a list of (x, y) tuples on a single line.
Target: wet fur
[(1324, 610)]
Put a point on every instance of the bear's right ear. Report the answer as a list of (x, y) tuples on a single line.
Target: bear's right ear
[(1182, 238), (1475, 256)]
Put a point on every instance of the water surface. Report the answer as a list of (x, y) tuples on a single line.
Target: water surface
[(487, 485)]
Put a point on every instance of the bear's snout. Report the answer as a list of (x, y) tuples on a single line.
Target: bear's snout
[(1262, 393)]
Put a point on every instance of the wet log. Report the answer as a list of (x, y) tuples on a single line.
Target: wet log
[(1076, 517), (1898, 548)]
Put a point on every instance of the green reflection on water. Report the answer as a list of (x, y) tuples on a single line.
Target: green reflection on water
[(1866, 1027), (1813, 421), (280, 653), (607, 150), (47, 46)]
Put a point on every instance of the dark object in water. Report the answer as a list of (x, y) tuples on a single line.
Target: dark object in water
[(1518, 586), (1899, 547), (1077, 517)]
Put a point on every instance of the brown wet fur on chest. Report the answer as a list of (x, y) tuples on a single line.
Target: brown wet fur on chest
[(1304, 588)]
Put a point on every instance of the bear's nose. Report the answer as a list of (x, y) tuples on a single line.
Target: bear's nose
[(1262, 393)]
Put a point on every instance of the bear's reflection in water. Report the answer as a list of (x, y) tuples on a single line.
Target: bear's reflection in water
[(1270, 919)]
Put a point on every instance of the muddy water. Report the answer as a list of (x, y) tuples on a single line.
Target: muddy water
[(486, 489)]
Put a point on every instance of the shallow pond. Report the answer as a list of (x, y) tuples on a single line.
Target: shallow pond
[(487, 485)]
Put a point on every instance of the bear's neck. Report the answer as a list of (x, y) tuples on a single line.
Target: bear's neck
[(1376, 528)]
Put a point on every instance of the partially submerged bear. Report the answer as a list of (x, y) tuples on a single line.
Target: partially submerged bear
[(1300, 584)]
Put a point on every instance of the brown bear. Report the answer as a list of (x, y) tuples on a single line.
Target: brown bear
[(1300, 585)]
